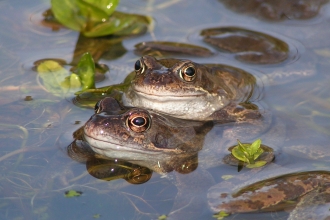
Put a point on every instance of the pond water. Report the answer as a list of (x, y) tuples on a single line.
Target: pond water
[(35, 169)]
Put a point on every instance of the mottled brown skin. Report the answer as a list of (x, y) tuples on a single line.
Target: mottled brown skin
[(110, 134), (269, 194), (162, 76), (214, 90)]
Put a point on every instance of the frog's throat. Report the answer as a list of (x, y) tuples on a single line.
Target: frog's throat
[(164, 94), (186, 107)]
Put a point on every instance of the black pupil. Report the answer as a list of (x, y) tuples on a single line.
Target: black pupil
[(138, 121), (137, 65), (190, 71)]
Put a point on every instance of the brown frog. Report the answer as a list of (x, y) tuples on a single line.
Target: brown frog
[(187, 90), (128, 133), (163, 144)]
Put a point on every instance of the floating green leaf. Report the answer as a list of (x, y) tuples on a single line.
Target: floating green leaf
[(139, 26), (75, 80), (97, 9), (53, 76), (59, 81), (96, 18), (72, 193), (162, 217), (67, 13), (115, 23), (76, 14), (86, 72), (221, 215), (254, 147), (96, 216), (226, 177)]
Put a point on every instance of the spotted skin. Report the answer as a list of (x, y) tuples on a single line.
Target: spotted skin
[(208, 92), (267, 194)]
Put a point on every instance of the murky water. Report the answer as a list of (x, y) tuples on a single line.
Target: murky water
[(35, 169)]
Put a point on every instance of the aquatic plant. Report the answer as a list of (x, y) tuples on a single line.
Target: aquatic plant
[(248, 153), (59, 81), (94, 18)]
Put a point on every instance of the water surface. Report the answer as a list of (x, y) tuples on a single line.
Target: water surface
[(35, 170)]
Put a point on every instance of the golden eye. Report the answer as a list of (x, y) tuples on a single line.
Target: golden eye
[(97, 108), (188, 74), (139, 67), (138, 121)]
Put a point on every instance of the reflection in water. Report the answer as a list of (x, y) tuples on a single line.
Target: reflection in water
[(108, 47), (277, 10), (108, 169), (50, 21), (42, 22)]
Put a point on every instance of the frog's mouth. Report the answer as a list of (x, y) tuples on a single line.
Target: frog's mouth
[(98, 142), (112, 144), (115, 145)]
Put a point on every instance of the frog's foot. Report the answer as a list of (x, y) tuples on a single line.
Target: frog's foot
[(237, 113)]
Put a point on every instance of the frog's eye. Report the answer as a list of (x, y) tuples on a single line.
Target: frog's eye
[(188, 73), (138, 121), (139, 67), (97, 108)]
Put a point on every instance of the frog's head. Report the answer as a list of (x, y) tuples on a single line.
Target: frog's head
[(175, 87), (170, 78), (138, 134)]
